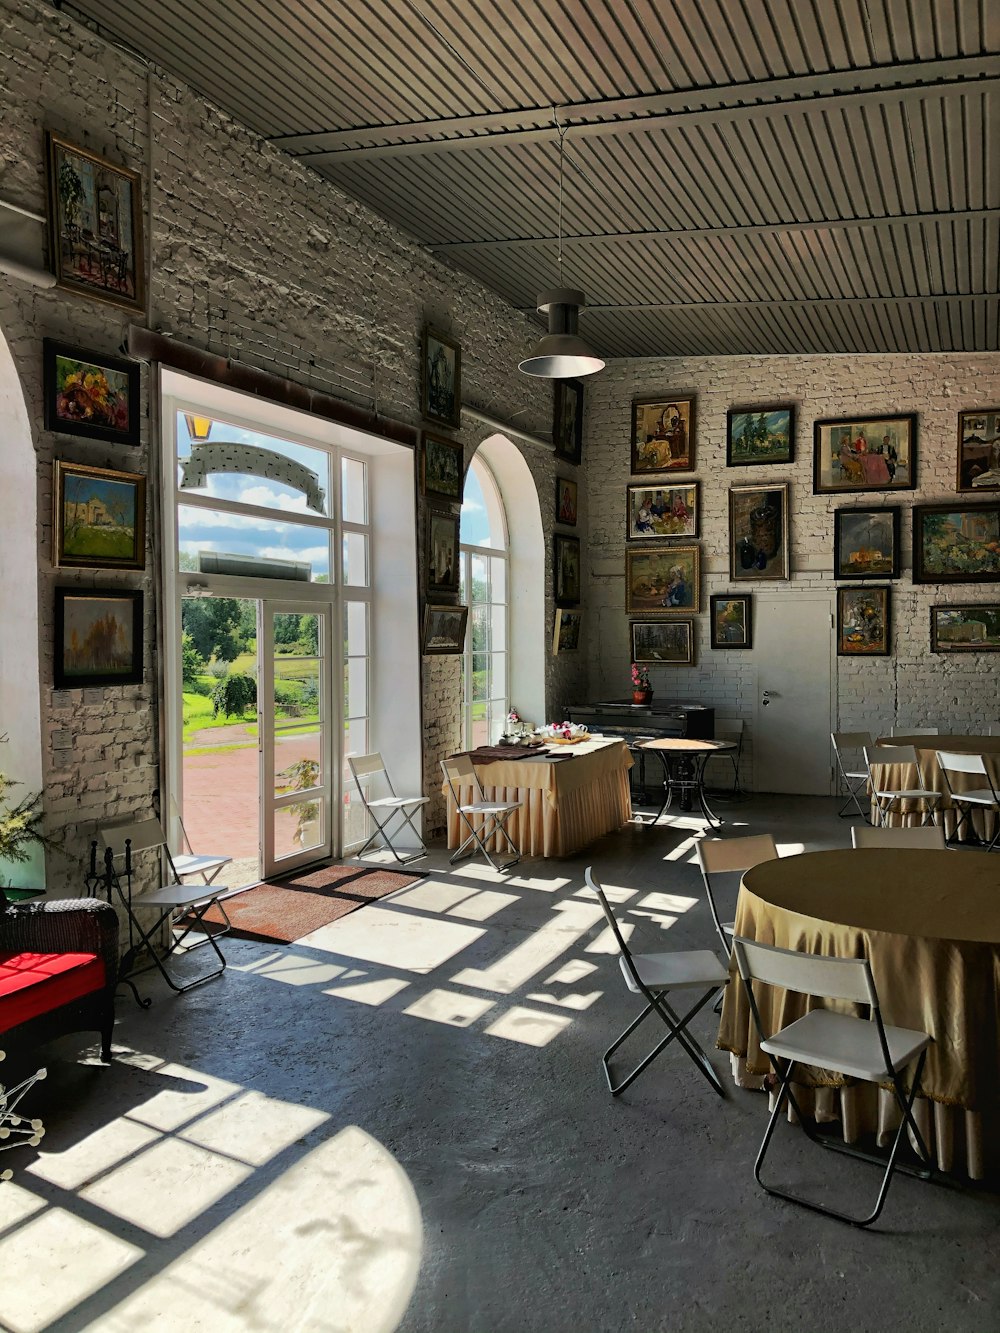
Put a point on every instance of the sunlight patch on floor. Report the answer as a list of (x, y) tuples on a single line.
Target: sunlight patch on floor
[(380, 934), (292, 969), (571, 920), (527, 1026), (450, 1007), (437, 895), (375, 991)]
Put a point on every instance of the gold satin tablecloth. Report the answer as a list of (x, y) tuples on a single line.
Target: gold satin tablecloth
[(930, 777), (565, 803), (929, 923)]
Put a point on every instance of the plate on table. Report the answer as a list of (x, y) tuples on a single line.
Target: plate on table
[(568, 740)]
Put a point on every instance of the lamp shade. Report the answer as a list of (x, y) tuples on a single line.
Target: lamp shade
[(561, 353)]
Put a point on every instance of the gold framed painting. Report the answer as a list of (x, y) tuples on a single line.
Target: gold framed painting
[(758, 532), (99, 517), (664, 581), (663, 434)]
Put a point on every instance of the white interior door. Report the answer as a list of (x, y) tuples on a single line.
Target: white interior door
[(795, 655)]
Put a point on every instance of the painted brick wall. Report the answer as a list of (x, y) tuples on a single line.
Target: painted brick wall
[(912, 686), (253, 257)]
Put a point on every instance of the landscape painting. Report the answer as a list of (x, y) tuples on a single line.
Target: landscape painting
[(956, 544), (89, 394), (863, 622), (100, 517), (444, 629), (663, 581), (966, 629), (866, 543), (760, 435), (98, 638), (664, 642), (668, 511), (442, 467)]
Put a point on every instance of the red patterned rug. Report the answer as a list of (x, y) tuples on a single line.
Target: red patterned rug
[(280, 911)]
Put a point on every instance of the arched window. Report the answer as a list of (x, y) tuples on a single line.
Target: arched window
[(484, 587)]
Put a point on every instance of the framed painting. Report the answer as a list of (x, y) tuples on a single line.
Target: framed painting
[(758, 532), (90, 394), (966, 629), (662, 434), (441, 378), (954, 543), (731, 620), (757, 435), (567, 420), (95, 225), (663, 642), (566, 633), (866, 543), (865, 454), (99, 517), (566, 501), (441, 467), (98, 635), (661, 511), (566, 570), (663, 581), (863, 626), (444, 629), (442, 551), (979, 450)]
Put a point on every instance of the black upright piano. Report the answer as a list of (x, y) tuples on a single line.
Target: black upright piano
[(660, 717)]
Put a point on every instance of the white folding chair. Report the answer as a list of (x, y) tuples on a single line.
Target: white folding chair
[(729, 729), (190, 862), (854, 779), (365, 769), (885, 797), (121, 843), (930, 837), (900, 730), (730, 856), (652, 975), (977, 798), (484, 819), (857, 1047)]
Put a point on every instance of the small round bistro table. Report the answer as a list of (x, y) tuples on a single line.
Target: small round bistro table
[(684, 771)]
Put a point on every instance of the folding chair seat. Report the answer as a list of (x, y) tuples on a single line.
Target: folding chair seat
[(854, 779), (730, 856), (365, 769), (886, 796), (984, 797), (928, 836), (652, 976), (484, 819), (860, 1048)]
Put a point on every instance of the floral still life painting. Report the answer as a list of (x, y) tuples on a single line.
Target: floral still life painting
[(863, 622), (89, 394)]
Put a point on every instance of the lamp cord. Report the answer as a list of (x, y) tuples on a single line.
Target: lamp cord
[(561, 130)]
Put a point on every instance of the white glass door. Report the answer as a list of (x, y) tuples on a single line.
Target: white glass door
[(297, 769)]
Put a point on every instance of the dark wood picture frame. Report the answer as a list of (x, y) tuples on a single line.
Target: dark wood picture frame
[(566, 630), (442, 550), (97, 514), (675, 638), (751, 557), (845, 463), (104, 600), (662, 520), (567, 501), (976, 537), (738, 634), (567, 420), (978, 451), (84, 394), (441, 460), (871, 602), (858, 557), (663, 434), (95, 253), (444, 629), (567, 584), (440, 378), (759, 455), (958, 635)]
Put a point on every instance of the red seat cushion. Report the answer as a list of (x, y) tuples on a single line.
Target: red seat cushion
[(35, 983)]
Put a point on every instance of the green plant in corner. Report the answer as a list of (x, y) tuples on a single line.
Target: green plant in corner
[(20, 821)]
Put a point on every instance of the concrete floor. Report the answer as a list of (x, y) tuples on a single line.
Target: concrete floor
[(401, 1121)]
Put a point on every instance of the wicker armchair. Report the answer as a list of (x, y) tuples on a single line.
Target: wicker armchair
[(74, 925)]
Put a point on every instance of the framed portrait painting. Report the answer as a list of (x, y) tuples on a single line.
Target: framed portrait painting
[(661, 511), (90, 394), (863, 626), (566, 631), (966, 629), (732, 620), (441, 378), (663, 581), (566, 570), (663, 642), (865, 454), (441, 467), (442, 551), (979, 450), (444, 629), (566, 501), (567, 420), (99, 517), (956, 543), (758, 532), (866, 543), (757, 435), (98, 638), (663, 434), (95, 225)]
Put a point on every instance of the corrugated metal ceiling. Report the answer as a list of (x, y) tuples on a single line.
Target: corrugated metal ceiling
[(741, 176)]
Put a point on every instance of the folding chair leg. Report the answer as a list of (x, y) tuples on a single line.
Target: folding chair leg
[(158, 962), (676, 1028), (852, 798), (493, 826), (380, 831)]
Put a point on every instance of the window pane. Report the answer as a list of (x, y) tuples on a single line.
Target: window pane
[(356, 687), (355, 559), (296, 690), (498, 626), (353, 491), (239, 464), (498, 580), (480, 676), (297, 760), (215, 542), (480, 618), (356, 737), (480, 579), (355, 629), (298, 827), (498, 682)]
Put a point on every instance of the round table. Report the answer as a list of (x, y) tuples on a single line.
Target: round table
[(930, 776), (684, 770), (929, 923)]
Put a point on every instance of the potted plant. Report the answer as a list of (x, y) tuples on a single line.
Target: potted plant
[(20, 822), (642, 691)]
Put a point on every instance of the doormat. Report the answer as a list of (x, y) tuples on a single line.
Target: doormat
[(283, 910)]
